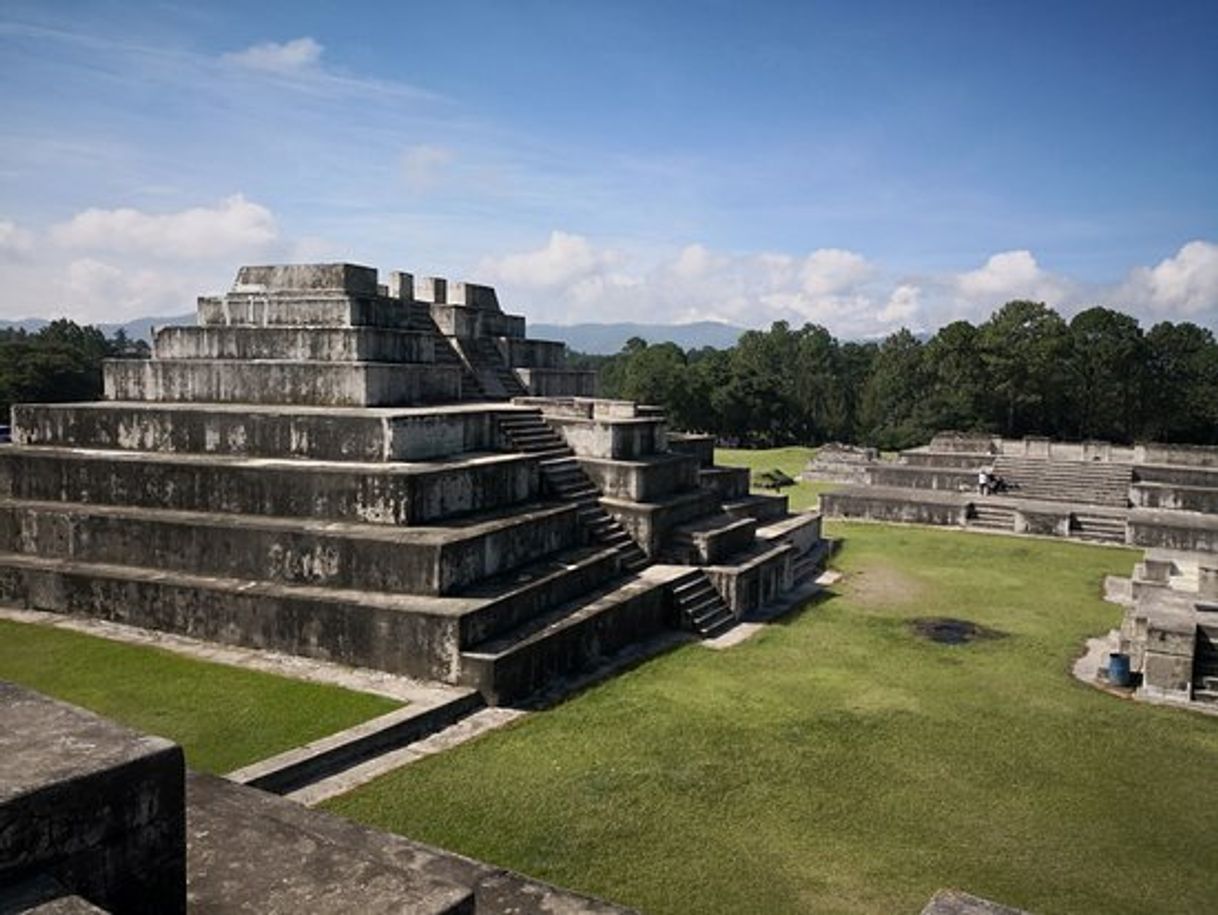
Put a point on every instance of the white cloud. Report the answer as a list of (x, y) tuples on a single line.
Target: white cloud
[(15, 242), (1185, 284), (273, 57), (564, 260), (902, 304), (830, 271), (234, 226), (94, 290), (423, 166), (1010, 275)]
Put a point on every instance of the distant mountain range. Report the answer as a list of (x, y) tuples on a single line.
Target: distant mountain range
[(597, 339)]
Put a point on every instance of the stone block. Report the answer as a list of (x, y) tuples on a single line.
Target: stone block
[(1167, 674), (401, 286), (908, 506), (531, 354), (752, 581), (650, 523), (543, 382), (701, 446), (617, 439), (91, 804), (947, 479), (431, 289), (646, 480), (473, 296), (727, 483), (338, 384), (351, 278)]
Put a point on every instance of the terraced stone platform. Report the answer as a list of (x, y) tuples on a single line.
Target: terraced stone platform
[(305, 471)]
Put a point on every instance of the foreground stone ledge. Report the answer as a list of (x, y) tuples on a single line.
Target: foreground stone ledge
[(91, 804)]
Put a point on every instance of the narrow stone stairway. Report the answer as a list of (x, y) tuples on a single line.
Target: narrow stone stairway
[(560, 469), (491, 359), (992, 517), (702, 608), (472, 390)]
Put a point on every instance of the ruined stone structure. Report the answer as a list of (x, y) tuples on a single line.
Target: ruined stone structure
[(390, 476), (1170, 629), (1149, 495), (96, 818)]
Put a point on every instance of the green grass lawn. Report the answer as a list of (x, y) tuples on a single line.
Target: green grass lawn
[(791, 461), (836, 763), (224, 717)]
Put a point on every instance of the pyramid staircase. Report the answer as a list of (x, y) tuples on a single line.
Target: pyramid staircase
[(701, 607), (528, 432)]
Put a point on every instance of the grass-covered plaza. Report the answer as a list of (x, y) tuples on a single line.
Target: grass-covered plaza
[(835, 762)]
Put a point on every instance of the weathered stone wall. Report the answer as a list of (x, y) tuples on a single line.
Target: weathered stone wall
[(339, 384), (1180, 498), (532, 354), (96, 807), (893, 506), (380, 494), (326, 344), (947, 479), (728, 483), (543, 382), (269, 431), (1173, 530), (1180, 455), (619, 439), (642, 481), (747, 586), (702, 446)]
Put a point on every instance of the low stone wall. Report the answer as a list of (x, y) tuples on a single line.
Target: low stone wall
[(901, 507), (946, 479), (1180, 455), (1180, 498), (960, 460), (969, 442), (1043, 522), (90, 804), (701, 446), (837, 463), (1173, 530), (1176, 475)]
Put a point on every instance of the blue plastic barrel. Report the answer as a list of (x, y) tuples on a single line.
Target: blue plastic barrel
[(1118, 669)]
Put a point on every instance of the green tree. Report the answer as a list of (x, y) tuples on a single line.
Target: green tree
[(1023, 346)]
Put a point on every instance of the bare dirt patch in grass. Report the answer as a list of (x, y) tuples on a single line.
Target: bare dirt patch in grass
[(882, 585)]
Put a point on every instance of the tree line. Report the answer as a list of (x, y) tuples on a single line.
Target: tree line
[(1024, 371), (61, 362)]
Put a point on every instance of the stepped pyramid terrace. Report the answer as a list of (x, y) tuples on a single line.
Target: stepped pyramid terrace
[(387, 475)]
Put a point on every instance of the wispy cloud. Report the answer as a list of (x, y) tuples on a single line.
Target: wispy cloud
[(289, 57)]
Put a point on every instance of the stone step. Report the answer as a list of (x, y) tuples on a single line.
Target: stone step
[(569, 639), (377, 493), (338, 384), (416, 560)]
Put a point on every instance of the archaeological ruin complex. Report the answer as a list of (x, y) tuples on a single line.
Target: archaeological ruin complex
[(382, 475)]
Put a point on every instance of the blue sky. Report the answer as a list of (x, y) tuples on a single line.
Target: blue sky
[(860, 165)]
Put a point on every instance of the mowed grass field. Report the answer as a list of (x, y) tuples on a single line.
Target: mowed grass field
[(791, 461), (838, 763), (224, 717)]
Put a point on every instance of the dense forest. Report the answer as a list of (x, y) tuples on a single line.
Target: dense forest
[(1025, 371), (61, 362)]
